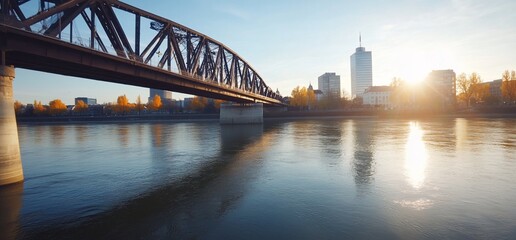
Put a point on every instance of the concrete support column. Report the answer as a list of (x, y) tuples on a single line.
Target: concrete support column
[(10, 162), (241, 113)]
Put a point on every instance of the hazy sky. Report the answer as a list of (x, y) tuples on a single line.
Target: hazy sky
[(291, 43)]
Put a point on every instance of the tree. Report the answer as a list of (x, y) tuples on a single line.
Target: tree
[(18, 106), (481, 92), (80, 107), (509, 86), (299, 97), (155, 104), (122, 105), (139, 105), (56, 107), (198, 103), (39, 109), (468, 87)]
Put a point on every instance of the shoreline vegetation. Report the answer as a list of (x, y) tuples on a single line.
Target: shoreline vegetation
[(274, 114)]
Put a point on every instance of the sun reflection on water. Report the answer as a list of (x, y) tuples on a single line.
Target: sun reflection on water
[(415, 156)]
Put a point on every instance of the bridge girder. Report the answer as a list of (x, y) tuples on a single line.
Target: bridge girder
[(173, 47)]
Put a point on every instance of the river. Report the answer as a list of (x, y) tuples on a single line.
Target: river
[(363, 178)]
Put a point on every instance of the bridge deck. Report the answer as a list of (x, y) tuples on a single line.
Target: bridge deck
[(45, 35), (36, 52)]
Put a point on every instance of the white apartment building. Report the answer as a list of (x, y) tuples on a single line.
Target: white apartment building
[(377, 96)]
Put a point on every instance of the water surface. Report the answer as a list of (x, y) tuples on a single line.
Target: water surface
[(441, 178)]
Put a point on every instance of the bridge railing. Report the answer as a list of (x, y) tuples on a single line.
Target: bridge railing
[(106, 26)]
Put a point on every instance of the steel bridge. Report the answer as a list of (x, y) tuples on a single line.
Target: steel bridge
[(111, 41)]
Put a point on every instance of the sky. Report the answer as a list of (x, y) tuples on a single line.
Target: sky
[(292, 42)]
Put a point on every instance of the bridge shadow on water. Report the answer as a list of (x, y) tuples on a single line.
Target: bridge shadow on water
[(186, 208)]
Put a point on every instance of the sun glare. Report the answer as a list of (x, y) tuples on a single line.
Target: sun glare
[(415, 73), (415, 65), (415, 156)]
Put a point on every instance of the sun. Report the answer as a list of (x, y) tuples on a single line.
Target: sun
[(414, 64), (415, 73), (415, 68)]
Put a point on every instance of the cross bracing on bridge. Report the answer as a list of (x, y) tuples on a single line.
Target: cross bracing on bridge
[(115, 28)]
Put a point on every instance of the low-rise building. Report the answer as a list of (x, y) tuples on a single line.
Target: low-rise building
[(495, 88), (377, 96), (441, 88)]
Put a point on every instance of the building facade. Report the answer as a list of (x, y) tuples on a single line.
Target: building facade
[(442, 87), (377, 96), (495, 88), (166, 96), (329, 84), (361, 71), (89, 101)]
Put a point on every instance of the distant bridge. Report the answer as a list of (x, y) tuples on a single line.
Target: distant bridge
[(105, 40)]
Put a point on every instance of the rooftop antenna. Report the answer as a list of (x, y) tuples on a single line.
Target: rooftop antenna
[(360, 39)]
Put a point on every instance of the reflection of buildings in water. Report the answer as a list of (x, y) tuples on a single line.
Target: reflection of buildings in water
[(509, 136), (81, 132), (157, 134), (415, 156), (440, 135), (303, 133), (461, 133), (123, 133), (330, 133), (139, 130), (10, 205), (38, 133), (57, 132), (347, 140), (363, 157)]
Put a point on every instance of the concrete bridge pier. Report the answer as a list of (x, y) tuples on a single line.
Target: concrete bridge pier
[(241, 113), (11, 170)]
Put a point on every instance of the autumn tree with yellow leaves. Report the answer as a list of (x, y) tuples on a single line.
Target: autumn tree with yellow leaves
[(39, 109), (299, 97), (80, 107), (468, 87), (509, 86), (122, 105), (156, 103), (56, 107), (18, 106)]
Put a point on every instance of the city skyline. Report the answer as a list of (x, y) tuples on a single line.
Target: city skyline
[(465, 36)]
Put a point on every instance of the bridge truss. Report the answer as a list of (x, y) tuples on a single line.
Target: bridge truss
[(115, 28)]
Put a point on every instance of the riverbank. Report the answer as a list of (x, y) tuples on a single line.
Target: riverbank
[(121, 119), (271, 115)]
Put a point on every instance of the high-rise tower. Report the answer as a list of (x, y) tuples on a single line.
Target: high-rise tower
[(361, 70)]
